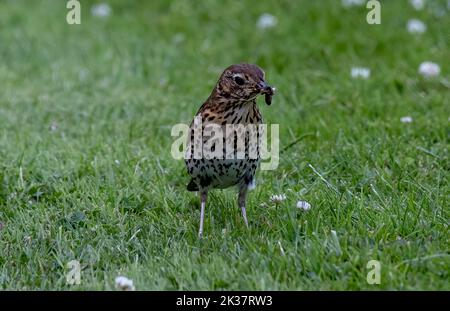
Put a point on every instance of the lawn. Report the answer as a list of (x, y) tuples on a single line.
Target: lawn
[(86, 173)]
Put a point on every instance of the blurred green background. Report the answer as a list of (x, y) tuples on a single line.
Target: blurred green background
[(85, 166)]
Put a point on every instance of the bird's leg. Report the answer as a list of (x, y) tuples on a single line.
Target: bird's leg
[(241, 201), (203, 196)]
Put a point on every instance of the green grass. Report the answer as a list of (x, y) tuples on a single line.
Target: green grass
[(113, 88)]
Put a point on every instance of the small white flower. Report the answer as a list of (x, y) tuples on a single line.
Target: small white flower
[(429, 69), (417, 4), (53, 127), (416, 26), (124, 283), (277, 198), (266, 21), (117, 162), (101, 10), (350, 3), (360, 72), (406, 119), (303, 205)]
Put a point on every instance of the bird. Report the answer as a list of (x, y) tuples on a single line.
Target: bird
[(231, 159)]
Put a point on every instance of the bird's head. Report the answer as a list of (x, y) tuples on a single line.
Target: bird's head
[(244, 82)]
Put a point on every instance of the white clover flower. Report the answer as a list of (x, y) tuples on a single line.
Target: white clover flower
[(277, 198), (117, 162), (266, 21), (53, 127), (124, 283), (417, 4), (101, 10), (406, 119), (350, 3), (360, 72), (416, 26), (429, 69), (303, 205)]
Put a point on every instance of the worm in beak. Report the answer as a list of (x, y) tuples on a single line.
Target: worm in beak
[(268, 92)]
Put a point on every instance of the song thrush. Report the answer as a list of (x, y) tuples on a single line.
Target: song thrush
[(231, 103)]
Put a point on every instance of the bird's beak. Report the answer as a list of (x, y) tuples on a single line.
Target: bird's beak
[(267, 90), (264, 88)]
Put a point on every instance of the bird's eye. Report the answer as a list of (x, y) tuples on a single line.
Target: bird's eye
[(239, 80)]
